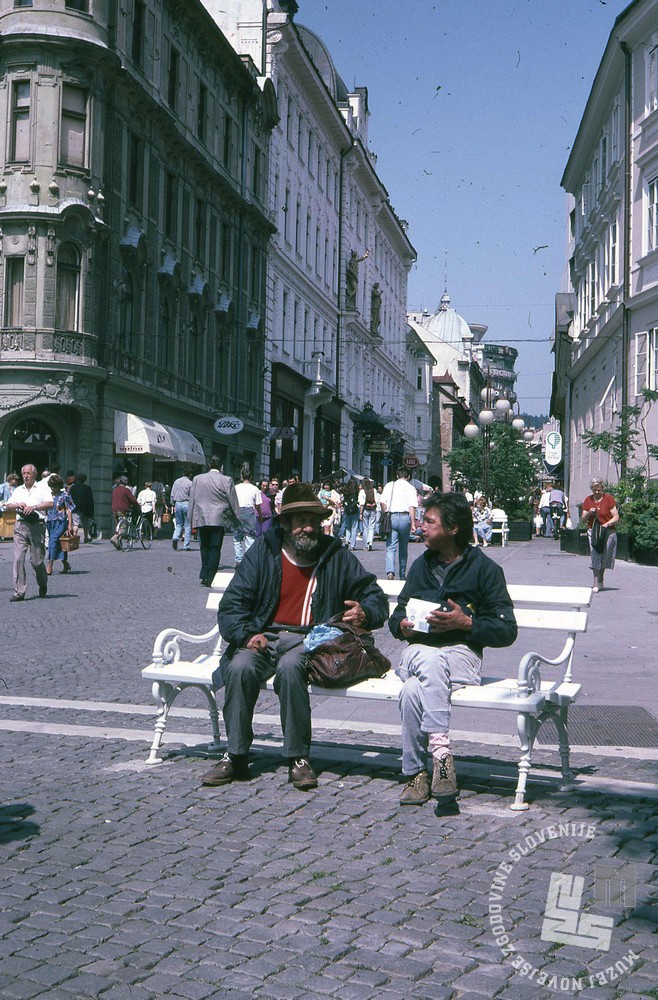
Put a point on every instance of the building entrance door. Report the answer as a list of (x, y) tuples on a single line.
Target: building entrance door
[(31, 442)]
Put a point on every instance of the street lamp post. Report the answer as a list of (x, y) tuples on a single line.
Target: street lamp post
[(495, 407)]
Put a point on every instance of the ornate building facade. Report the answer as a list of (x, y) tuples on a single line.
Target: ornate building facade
[(133, 236), (337, 346), (606, 325)]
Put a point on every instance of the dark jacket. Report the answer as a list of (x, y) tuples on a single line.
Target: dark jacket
[(83, 498), (477, 584), (251, 598)]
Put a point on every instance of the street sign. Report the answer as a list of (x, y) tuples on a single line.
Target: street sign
[(228, 425), (411, 461), (553, 452), (386, 463)]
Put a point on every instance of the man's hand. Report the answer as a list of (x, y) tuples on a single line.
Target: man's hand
[(447, 621), (257, 643), (355, 615)]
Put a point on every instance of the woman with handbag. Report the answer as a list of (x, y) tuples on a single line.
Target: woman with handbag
[(601, 515), (59, 520)]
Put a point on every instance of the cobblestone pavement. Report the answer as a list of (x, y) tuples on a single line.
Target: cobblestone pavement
[(131, 882)]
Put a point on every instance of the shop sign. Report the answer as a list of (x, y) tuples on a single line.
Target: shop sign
[(553, 453), (228, 425), (411, 461), (379, 444)]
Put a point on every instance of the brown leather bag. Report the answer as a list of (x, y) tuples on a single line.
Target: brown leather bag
[(350, 658)]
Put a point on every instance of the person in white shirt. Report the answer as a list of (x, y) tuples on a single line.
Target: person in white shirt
[(147, 499), (31, 500), (368, 505), (400, 498), (249, 501)]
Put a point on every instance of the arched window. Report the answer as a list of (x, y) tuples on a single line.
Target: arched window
[(67, 303)]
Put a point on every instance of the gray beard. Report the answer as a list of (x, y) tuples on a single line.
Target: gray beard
[(303, 545)]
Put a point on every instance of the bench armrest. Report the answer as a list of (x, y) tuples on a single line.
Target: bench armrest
[(166, 648), (529, 676)]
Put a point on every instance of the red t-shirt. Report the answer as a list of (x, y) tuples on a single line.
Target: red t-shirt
[(297, 586), (603, 507)]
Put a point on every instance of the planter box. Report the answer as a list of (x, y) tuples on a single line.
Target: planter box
[(520, 531), (623, 545), (574, 540)]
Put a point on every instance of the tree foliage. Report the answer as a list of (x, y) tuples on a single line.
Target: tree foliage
[(512, 470)]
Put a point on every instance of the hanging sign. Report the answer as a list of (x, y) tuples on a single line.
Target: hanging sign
[(411, 461), (228, 425), (553, 452)]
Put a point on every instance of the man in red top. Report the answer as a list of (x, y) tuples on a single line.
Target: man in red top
[(123, 501), (294, 576)]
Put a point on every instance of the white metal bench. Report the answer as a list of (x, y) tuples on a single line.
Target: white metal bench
[(532, 699)]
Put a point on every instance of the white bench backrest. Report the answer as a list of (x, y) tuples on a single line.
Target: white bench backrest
[(543, 618)]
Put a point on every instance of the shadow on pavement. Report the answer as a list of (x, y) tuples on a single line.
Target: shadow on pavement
[(14, 824)]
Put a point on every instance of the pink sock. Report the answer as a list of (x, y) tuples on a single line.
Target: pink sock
[(439, 744)]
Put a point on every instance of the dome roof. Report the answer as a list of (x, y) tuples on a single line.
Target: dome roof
[(447, 325), (323, 63)]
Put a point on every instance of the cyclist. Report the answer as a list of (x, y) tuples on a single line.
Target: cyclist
[(123, 503), (559, 506)]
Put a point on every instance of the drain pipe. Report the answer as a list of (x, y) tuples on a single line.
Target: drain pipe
[(626, 291), (339, 320)]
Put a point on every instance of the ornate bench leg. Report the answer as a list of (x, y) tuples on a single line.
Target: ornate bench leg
[(166, 694), (215, 746), (527, 727), (561, 719)]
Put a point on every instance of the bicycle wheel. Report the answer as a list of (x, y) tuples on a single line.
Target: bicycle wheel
[(123, 531), (145, 534)]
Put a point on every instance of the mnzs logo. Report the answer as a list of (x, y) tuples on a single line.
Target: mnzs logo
[(563, 921)]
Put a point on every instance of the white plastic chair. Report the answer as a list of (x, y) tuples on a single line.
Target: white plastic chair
[(499, 524)]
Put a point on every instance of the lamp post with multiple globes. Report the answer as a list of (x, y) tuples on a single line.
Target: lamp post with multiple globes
[(495, 407)]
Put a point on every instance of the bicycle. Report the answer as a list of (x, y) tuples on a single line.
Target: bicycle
[(130, 530), (558, 519)]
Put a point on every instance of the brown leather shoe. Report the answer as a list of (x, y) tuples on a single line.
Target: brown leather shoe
[(229, 769), (301, 775), (417, 790), (444, 779)]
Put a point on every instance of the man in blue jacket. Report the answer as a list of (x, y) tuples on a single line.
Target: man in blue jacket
[(471, 609), (293, 577)]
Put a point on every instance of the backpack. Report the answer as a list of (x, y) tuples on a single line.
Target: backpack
[(351, 505)]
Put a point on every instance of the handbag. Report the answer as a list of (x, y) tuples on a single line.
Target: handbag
[(347, 659), (599, 536), (385, 523)]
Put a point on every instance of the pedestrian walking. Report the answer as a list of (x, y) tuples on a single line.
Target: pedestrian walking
[(400, 499), (59, 521), (83, 498), (179, 499), (213, 508), (30, 500), (368, 512), (600, 512), (249, 500)]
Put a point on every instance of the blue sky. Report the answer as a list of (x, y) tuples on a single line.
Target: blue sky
[(474, 107)]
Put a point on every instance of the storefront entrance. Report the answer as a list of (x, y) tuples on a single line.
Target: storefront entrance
[(31, 443)]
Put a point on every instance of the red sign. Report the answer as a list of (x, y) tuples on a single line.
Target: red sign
[(411, 461)]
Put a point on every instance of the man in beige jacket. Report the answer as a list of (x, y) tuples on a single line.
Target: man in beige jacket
[(213, 508)]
